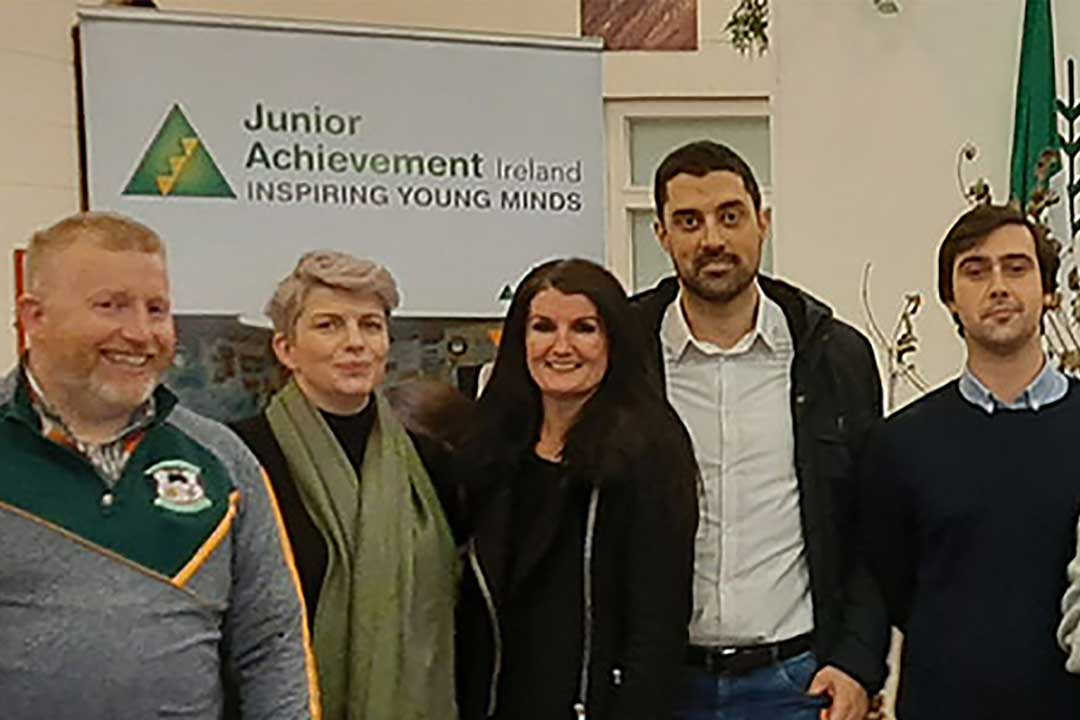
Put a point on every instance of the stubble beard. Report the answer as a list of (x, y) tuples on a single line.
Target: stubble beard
[(104, 396), (1005, 343), (122, 396), (721, 289)]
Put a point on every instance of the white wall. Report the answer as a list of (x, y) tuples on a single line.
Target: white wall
[(541, 17), (870, 114), (39, 165), (715, 70)]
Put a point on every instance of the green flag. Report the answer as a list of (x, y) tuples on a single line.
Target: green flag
[(1035, 126)]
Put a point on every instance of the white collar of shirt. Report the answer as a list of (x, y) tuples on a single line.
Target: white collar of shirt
[(1049, 386), (770, 327)]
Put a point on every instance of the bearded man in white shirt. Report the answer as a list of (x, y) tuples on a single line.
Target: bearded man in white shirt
[(778, 396)]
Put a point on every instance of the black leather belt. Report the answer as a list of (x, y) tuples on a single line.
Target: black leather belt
[(742, 660)]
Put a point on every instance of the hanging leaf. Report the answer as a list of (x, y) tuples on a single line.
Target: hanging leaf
[(748, 26)]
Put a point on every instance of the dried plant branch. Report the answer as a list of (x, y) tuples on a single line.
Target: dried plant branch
[(898, 347)]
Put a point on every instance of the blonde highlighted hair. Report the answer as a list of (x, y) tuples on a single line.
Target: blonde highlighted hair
[(329, 269)]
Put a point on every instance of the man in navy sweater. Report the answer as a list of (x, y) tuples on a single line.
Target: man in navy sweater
[(971, 494)]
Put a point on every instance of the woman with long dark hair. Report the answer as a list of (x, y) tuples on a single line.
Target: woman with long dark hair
[(578, 589)]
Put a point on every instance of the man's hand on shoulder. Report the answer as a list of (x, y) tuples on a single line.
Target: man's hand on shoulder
[(849, 699)]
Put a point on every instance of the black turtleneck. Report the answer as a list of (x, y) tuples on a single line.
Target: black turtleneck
[(351, 432)]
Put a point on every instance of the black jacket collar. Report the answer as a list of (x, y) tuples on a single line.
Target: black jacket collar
[(805, 314)]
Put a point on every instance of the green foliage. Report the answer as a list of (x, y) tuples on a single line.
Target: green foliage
[(748, 26)]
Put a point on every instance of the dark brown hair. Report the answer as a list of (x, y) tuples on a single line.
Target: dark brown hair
[(973, 227), (625, 425), (433, 409), (700, 158)]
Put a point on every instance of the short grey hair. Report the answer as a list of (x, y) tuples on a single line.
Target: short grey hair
[(329, 269)]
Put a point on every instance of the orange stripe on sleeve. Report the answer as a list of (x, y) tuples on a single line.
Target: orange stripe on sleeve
[(286, 551), (203, 554)]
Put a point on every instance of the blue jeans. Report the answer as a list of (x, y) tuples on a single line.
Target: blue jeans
[(776, 692)]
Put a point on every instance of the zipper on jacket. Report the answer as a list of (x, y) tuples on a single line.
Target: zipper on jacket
[(489, 601), (586, 650)]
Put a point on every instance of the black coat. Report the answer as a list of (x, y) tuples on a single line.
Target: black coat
[(641, 575), (835, 400)]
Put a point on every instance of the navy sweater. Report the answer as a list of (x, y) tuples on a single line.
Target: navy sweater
[(969, 521)]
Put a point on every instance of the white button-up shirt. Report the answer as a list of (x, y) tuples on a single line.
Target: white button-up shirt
[(751, 579)]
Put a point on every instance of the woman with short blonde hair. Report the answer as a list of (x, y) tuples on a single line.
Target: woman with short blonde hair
[(329, 269), (362, 498)]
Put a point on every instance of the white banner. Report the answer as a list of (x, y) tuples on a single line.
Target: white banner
[(457, 161)]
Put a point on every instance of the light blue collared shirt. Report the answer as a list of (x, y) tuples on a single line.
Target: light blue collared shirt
[(1049, 386)]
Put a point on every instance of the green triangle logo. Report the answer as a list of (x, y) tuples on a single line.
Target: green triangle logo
[(177, 163), (506, 294)]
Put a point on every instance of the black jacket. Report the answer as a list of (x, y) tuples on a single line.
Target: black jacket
[(835, 400), (642, 565)]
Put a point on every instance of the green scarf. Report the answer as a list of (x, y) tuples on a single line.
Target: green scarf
[(384, 625)]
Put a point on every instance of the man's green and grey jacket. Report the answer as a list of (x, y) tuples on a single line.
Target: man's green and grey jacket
[(152, 599)]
